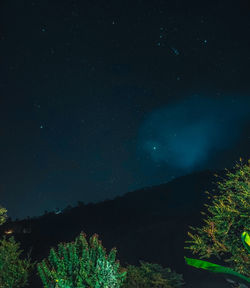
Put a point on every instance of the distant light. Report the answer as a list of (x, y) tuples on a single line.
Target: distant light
[(41, 127), (8, 231)]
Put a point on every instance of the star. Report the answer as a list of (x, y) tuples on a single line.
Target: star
[(176, 52)]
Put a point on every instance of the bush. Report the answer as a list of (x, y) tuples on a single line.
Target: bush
[(13, 271), (76, 264), (3, 215), (229, 217), (151, 276)]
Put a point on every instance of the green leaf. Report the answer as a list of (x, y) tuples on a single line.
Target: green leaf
[(215, 268), (246, 240)]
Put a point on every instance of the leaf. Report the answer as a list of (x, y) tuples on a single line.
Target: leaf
[(246, 240), (215, 268)]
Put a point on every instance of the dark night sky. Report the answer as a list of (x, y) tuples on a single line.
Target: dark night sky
[(99, 98)]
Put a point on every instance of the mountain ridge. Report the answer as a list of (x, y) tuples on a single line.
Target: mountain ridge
[(148, 224)]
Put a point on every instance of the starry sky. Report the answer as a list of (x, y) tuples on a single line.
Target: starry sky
[(99, 98)]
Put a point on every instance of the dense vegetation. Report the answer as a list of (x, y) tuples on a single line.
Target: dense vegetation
[(228, 219)]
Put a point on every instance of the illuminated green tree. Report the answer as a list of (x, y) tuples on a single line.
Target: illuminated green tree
[(228, 219), (3, 215), (77, 264), (13, 271), (150, 275)]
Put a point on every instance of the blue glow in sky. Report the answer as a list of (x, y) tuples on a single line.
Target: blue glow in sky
[(187, 132)]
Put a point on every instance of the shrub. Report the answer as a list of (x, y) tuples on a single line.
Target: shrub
[(13, 271), (230, 213), (151, 276), (76, 264)]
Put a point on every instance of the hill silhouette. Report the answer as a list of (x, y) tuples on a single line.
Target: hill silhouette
[(148, 224)]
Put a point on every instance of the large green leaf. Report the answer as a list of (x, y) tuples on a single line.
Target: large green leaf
[(246, 240), (214, 268)]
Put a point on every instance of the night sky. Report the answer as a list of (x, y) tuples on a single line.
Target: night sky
[(99, 98)]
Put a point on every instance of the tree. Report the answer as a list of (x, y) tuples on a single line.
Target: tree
[(150, 275), (3, 215), (78, 265), (13, 271), (228, 219)]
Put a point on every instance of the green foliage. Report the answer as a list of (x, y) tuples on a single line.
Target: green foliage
[(151, 276), (3, 215), (246, 240), (221, 269), (77, 264), (215, 268), (229, 217), (13, 271)]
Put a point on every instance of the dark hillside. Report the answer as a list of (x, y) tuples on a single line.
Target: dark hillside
[(149, 224)]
